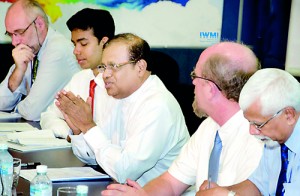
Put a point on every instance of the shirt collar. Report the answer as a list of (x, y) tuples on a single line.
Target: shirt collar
[(293, 142)]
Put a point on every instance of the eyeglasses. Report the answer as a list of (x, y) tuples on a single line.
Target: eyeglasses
[(20, 32), (259, 127), (194, 76), (113, 66)]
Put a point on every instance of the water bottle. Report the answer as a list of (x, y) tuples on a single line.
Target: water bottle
[(41, 185), (82, 190), (6, 170)]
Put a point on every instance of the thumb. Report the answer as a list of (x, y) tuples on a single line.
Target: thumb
[(89, 101)]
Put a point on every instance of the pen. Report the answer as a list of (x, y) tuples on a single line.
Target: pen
[(31, 165)]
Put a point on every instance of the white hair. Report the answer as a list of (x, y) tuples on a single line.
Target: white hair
[(273, 88)]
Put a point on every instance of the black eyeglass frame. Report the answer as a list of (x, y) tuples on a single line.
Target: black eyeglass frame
[(194, 76), (20, 31)]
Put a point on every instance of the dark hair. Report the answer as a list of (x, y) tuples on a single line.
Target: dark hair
[(100, 21), (138, 48)]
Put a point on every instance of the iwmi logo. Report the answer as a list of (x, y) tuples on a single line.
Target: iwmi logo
[(209, 35)]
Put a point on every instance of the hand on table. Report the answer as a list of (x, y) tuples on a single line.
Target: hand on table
[(131, 188), (210, 188)]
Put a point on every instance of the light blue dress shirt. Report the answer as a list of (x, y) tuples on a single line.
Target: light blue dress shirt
[(265, 177)]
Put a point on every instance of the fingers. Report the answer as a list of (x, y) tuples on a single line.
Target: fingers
[(133, 184), (22, 55), (114, 189), (204, 185), (119, 187)]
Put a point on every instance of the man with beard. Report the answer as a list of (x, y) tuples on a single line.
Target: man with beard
[(270, 101), (43, 61), (220, 73)]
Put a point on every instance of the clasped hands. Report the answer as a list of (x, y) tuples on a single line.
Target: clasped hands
[(76, 111)]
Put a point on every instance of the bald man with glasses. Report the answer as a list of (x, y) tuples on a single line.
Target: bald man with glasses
[(270, 101), (43, 61)]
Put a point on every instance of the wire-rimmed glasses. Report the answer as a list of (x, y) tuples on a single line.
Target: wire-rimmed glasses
[(113, 66), (194, 76), (260, 126), (20, 32)]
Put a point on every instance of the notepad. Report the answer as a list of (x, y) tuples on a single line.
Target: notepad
[(35, 140), (12, 127), (66, 174)]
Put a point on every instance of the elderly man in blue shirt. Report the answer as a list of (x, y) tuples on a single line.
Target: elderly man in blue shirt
[(270, 101)]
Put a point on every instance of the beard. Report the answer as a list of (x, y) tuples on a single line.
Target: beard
[(269, 143), (200, 113)]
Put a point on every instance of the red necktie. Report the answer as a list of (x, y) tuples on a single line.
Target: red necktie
[(92, 93)]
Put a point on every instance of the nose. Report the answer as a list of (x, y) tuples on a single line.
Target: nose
[(76, 50), (105, 74), (253, 130), (15, 40), (193, 82)]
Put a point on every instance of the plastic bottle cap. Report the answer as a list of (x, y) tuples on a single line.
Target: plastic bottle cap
[(41, 169), (3, 146), (82, 189)]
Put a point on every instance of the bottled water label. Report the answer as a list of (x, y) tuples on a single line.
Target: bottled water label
[(6, 169), (41, 190)]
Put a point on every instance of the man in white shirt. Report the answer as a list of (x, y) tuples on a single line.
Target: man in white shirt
[(140, 128), (88, 36), (220, 73), (43, 58)]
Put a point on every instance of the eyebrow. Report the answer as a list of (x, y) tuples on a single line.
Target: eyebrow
[(79, 40)]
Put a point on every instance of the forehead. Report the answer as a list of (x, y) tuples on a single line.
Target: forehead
[(79, 34), (16, 19), (115, 51), (253, 113), (202, 59)]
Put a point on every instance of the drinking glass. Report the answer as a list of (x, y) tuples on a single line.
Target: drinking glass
[(66, 191)]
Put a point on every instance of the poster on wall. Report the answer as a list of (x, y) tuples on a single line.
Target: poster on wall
[(163, 23)]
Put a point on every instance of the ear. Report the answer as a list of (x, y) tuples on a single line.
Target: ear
[(39, 22), (142, 67), (213, 88), (290, 115), (104, 40)]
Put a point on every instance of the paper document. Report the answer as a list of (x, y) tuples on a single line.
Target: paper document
[(35, 140), (12, 127), (33, 135), (66, 174), (9, 115)]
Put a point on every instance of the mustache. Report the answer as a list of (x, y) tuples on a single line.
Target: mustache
[(269, 143)]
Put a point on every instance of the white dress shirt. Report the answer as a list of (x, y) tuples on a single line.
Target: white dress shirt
[(57, 64), (137, 137), (241, 153)]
